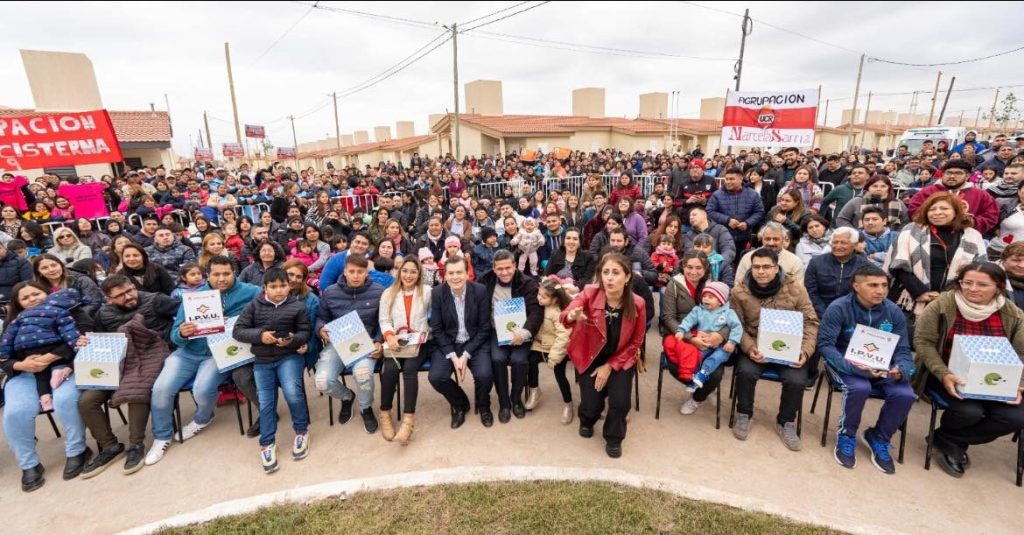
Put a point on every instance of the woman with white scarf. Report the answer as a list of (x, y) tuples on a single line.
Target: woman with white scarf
[(977, 305)]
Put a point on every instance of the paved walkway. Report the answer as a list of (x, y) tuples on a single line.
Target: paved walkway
[(219, 465)]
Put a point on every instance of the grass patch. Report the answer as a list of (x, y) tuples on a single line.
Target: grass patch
[(505, 508)]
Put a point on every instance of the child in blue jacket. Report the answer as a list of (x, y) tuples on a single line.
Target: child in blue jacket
[(708, 317)]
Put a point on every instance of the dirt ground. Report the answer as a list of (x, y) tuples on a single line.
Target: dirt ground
[(220, 465)]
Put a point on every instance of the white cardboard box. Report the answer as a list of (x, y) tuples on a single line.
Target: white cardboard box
[(990, 366), (98, 365), (780, 335), (205, 310), (872, 348), (349, 337), (227, 352), (509, 315)]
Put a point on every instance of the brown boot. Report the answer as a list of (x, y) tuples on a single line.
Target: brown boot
[(405, 432), (387, 426)]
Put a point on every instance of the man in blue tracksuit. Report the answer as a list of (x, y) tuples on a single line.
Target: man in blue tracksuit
[(867, 305)]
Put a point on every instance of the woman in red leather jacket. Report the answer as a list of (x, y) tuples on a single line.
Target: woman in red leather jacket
[(608, 327)]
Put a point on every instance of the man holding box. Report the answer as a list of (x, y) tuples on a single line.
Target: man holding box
[(505, 282), (353, 292), (767, 287), (193, 362), (867, 306)]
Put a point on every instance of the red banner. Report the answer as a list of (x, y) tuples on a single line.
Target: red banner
[(57, 139), (254, 131), (204, 155), (285, 153), (233, 150), (770, 118)]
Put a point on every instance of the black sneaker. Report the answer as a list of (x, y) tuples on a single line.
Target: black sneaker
[(504, 415), (369, 421), (32, 478), (133, 463), (76, 464), (254, 429), (518, 410), (101, 461), (586, 431), (486, 417), (346, 410), (614, 450)]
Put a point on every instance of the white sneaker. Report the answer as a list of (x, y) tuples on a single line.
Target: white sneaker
[(192, 429), (689, 407), (301, 447), (156, 451)]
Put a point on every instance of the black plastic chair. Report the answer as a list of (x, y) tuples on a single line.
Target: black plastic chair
[(769, 374), (876, 393), (176, 414), (937, 401), (53, 424), (657, 409)]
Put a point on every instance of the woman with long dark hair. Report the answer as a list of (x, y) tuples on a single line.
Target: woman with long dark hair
[(572, 261), (608, 329), (51, 272), (145, 275)]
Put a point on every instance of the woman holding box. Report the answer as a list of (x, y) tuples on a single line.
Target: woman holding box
[(608, 328), (976, 306), (404, 308)]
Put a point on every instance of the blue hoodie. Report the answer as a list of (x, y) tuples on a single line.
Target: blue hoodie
[(233, 301), (712, 321), (877, 248), (839, 322)]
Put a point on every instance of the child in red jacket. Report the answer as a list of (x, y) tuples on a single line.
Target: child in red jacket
[(664, 257)]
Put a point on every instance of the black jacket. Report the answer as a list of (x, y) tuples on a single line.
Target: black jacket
[(582, 267), (13, 269), (158, 311), (260, 315), (525, 287), (444, 320)]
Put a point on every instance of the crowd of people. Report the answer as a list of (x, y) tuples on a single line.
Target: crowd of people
[(926, 246)]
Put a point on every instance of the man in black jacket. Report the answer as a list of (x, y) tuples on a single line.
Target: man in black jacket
[(505, 282), (13, 269), (124, 301), (460, 321)]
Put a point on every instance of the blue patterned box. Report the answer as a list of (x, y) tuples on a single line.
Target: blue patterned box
[(98, 365), (509, 315), (780, 335), (227, 352), (990, 366), (349, 337)]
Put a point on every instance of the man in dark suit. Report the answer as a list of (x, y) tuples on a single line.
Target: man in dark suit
[(506, 282), (460, 320)]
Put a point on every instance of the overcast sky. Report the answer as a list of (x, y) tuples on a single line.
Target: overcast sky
[(141, 51)]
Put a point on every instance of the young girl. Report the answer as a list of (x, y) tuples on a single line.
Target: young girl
[(529, 241), (232, 241), (45, 328), (305, 252), (38, 214), (551, 342), (430, 276), (63, 210), (664, 257), (191, 278), (708, 317), (453, 247)]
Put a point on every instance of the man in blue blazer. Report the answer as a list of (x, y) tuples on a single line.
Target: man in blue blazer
[(460, 321)]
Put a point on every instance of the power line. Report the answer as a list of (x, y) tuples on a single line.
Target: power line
[(397, 67), (286, 32), (595, 49), (960, 62), (376, 16), (494, 13), (524, 10)]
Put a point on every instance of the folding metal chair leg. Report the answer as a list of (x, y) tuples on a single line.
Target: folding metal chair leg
[(903, 441), (718, 408), (330, 410), (817, 390), (732, 402), (238, 412), (1020, 458), (657, 405), (121, 414), (828, 412), (636, 381), (931, 438), (53, 424), (177, 418)]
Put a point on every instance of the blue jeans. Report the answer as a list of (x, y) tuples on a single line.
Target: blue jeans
[(180, 368), (714, 357), (286, 373), (328, 371), (20, 418)]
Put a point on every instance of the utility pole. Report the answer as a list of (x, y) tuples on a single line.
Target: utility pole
[(295, 142), (992, 115), (200, 138), (935, 97), (206, 122), (746, 28), (856, 93), (946, 102), (824, 122), (455, 80), (977, 118), (913, 103), (337, 125), (961, 122), (864, 129), (231, 86)]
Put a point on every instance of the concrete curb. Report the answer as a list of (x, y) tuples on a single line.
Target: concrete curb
[(476, 474)]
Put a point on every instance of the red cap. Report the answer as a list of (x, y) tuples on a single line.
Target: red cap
[(697, 162)]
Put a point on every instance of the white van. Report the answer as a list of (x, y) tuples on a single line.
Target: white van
[(915, 137)]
